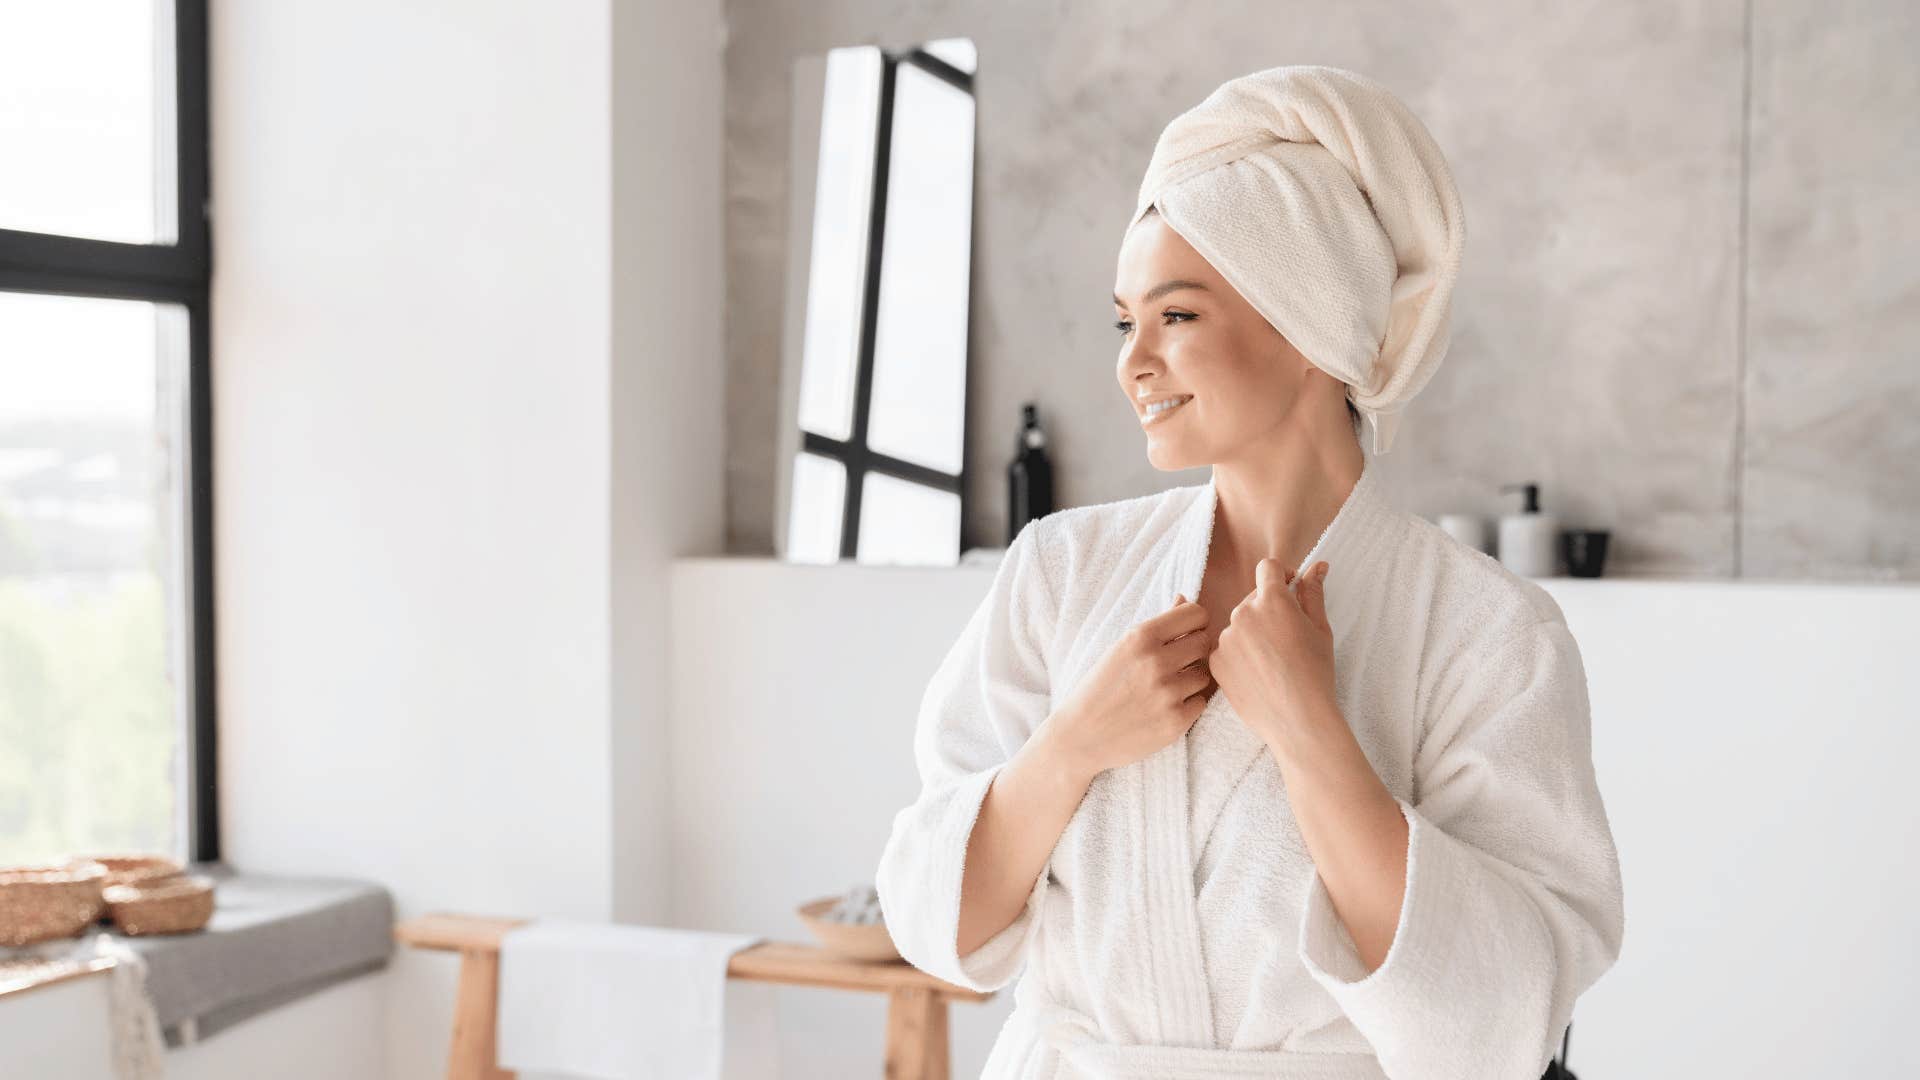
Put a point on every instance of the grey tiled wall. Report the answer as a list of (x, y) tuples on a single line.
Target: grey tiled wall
[(1691, 286)]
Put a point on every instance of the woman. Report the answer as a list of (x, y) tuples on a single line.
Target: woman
[(1265, 776)]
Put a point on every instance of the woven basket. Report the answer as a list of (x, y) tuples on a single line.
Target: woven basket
[(41, 903), (853, 941), (172, 905), (136, 869)]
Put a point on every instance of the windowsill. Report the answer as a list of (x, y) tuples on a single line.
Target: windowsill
[(271, 941)]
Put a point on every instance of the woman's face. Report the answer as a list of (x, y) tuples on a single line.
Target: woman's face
[(1185, 333)]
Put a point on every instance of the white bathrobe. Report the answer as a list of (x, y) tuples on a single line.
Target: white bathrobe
[(1180, 928)]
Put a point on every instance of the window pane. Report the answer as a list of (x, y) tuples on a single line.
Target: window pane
[(818, 506), (920, 334), (958, 52), (93, 642), (86, 119), (907, 523), (837, 264)]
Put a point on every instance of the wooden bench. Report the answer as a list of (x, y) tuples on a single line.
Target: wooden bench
[(916, 1047)]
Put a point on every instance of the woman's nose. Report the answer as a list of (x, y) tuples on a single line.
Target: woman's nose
[(1139, 358)]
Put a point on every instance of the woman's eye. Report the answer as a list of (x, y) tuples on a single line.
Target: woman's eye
[(1123, 325)]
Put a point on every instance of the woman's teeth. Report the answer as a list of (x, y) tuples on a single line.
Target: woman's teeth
[(1161, 408)]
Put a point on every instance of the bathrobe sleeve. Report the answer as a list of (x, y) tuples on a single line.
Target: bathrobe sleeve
[(984, 700), (1513, 904)]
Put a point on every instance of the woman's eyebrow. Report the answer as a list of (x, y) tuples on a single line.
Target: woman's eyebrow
[(1163, 289)]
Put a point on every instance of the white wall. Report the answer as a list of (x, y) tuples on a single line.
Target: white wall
[(1753, 741), (794, 693), (411, 349), (445, 486), (668, 381), (1755, 744)]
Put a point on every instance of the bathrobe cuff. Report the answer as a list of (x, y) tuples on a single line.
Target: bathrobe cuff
[(931, 875), (1513, 902), (987, 697), (1327, 946), (1463, 968)]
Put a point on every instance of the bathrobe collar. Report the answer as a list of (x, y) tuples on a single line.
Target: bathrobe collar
[(1345, 543), (1182, 1009)]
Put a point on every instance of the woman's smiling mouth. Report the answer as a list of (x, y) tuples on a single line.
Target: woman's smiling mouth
[(1158, 411)]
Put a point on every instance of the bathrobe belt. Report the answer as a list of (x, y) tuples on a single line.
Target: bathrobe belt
[(1077, 1038)]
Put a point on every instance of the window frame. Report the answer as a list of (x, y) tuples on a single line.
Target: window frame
[(853, 453), (177, 273)]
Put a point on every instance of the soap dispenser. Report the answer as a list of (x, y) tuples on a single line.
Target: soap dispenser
[(1529, 540)]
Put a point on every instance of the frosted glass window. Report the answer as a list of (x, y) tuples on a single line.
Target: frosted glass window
[(920, 335), (874, 359), (819, 506), (959, 53), (902, 522), (842, 210)]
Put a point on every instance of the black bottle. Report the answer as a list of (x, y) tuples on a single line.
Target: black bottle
[(1029, 476)]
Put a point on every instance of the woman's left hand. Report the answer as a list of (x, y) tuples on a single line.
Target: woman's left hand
[(1274, 658)]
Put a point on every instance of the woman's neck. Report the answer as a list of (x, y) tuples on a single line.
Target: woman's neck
[(1278, 504)]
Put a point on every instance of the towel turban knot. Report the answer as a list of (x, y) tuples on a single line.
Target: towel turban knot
[(1327, 204)]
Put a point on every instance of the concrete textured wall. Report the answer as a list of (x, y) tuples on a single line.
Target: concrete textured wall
[(1688, 304)]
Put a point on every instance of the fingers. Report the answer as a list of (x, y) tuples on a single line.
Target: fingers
[(1192, 681), (1191, 708), (1184, 651), (1312, 594), (1184, 617), (1267, 574)]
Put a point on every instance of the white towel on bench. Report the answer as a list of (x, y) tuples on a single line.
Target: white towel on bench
[(617, 1002)]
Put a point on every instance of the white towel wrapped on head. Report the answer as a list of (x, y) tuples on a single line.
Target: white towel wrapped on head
[(1326, 203)]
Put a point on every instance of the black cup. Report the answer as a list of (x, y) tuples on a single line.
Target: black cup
[(1585, 551)]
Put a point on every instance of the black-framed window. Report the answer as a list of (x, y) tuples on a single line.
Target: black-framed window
[(878, 473), (106, 556)]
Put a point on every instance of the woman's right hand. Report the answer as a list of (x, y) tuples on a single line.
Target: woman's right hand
[(1146, 692)]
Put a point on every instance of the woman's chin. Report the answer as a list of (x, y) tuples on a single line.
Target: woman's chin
[(1170, 457)]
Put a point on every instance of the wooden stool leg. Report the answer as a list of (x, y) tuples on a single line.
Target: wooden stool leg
[(916, 1036), (474, 1013)]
